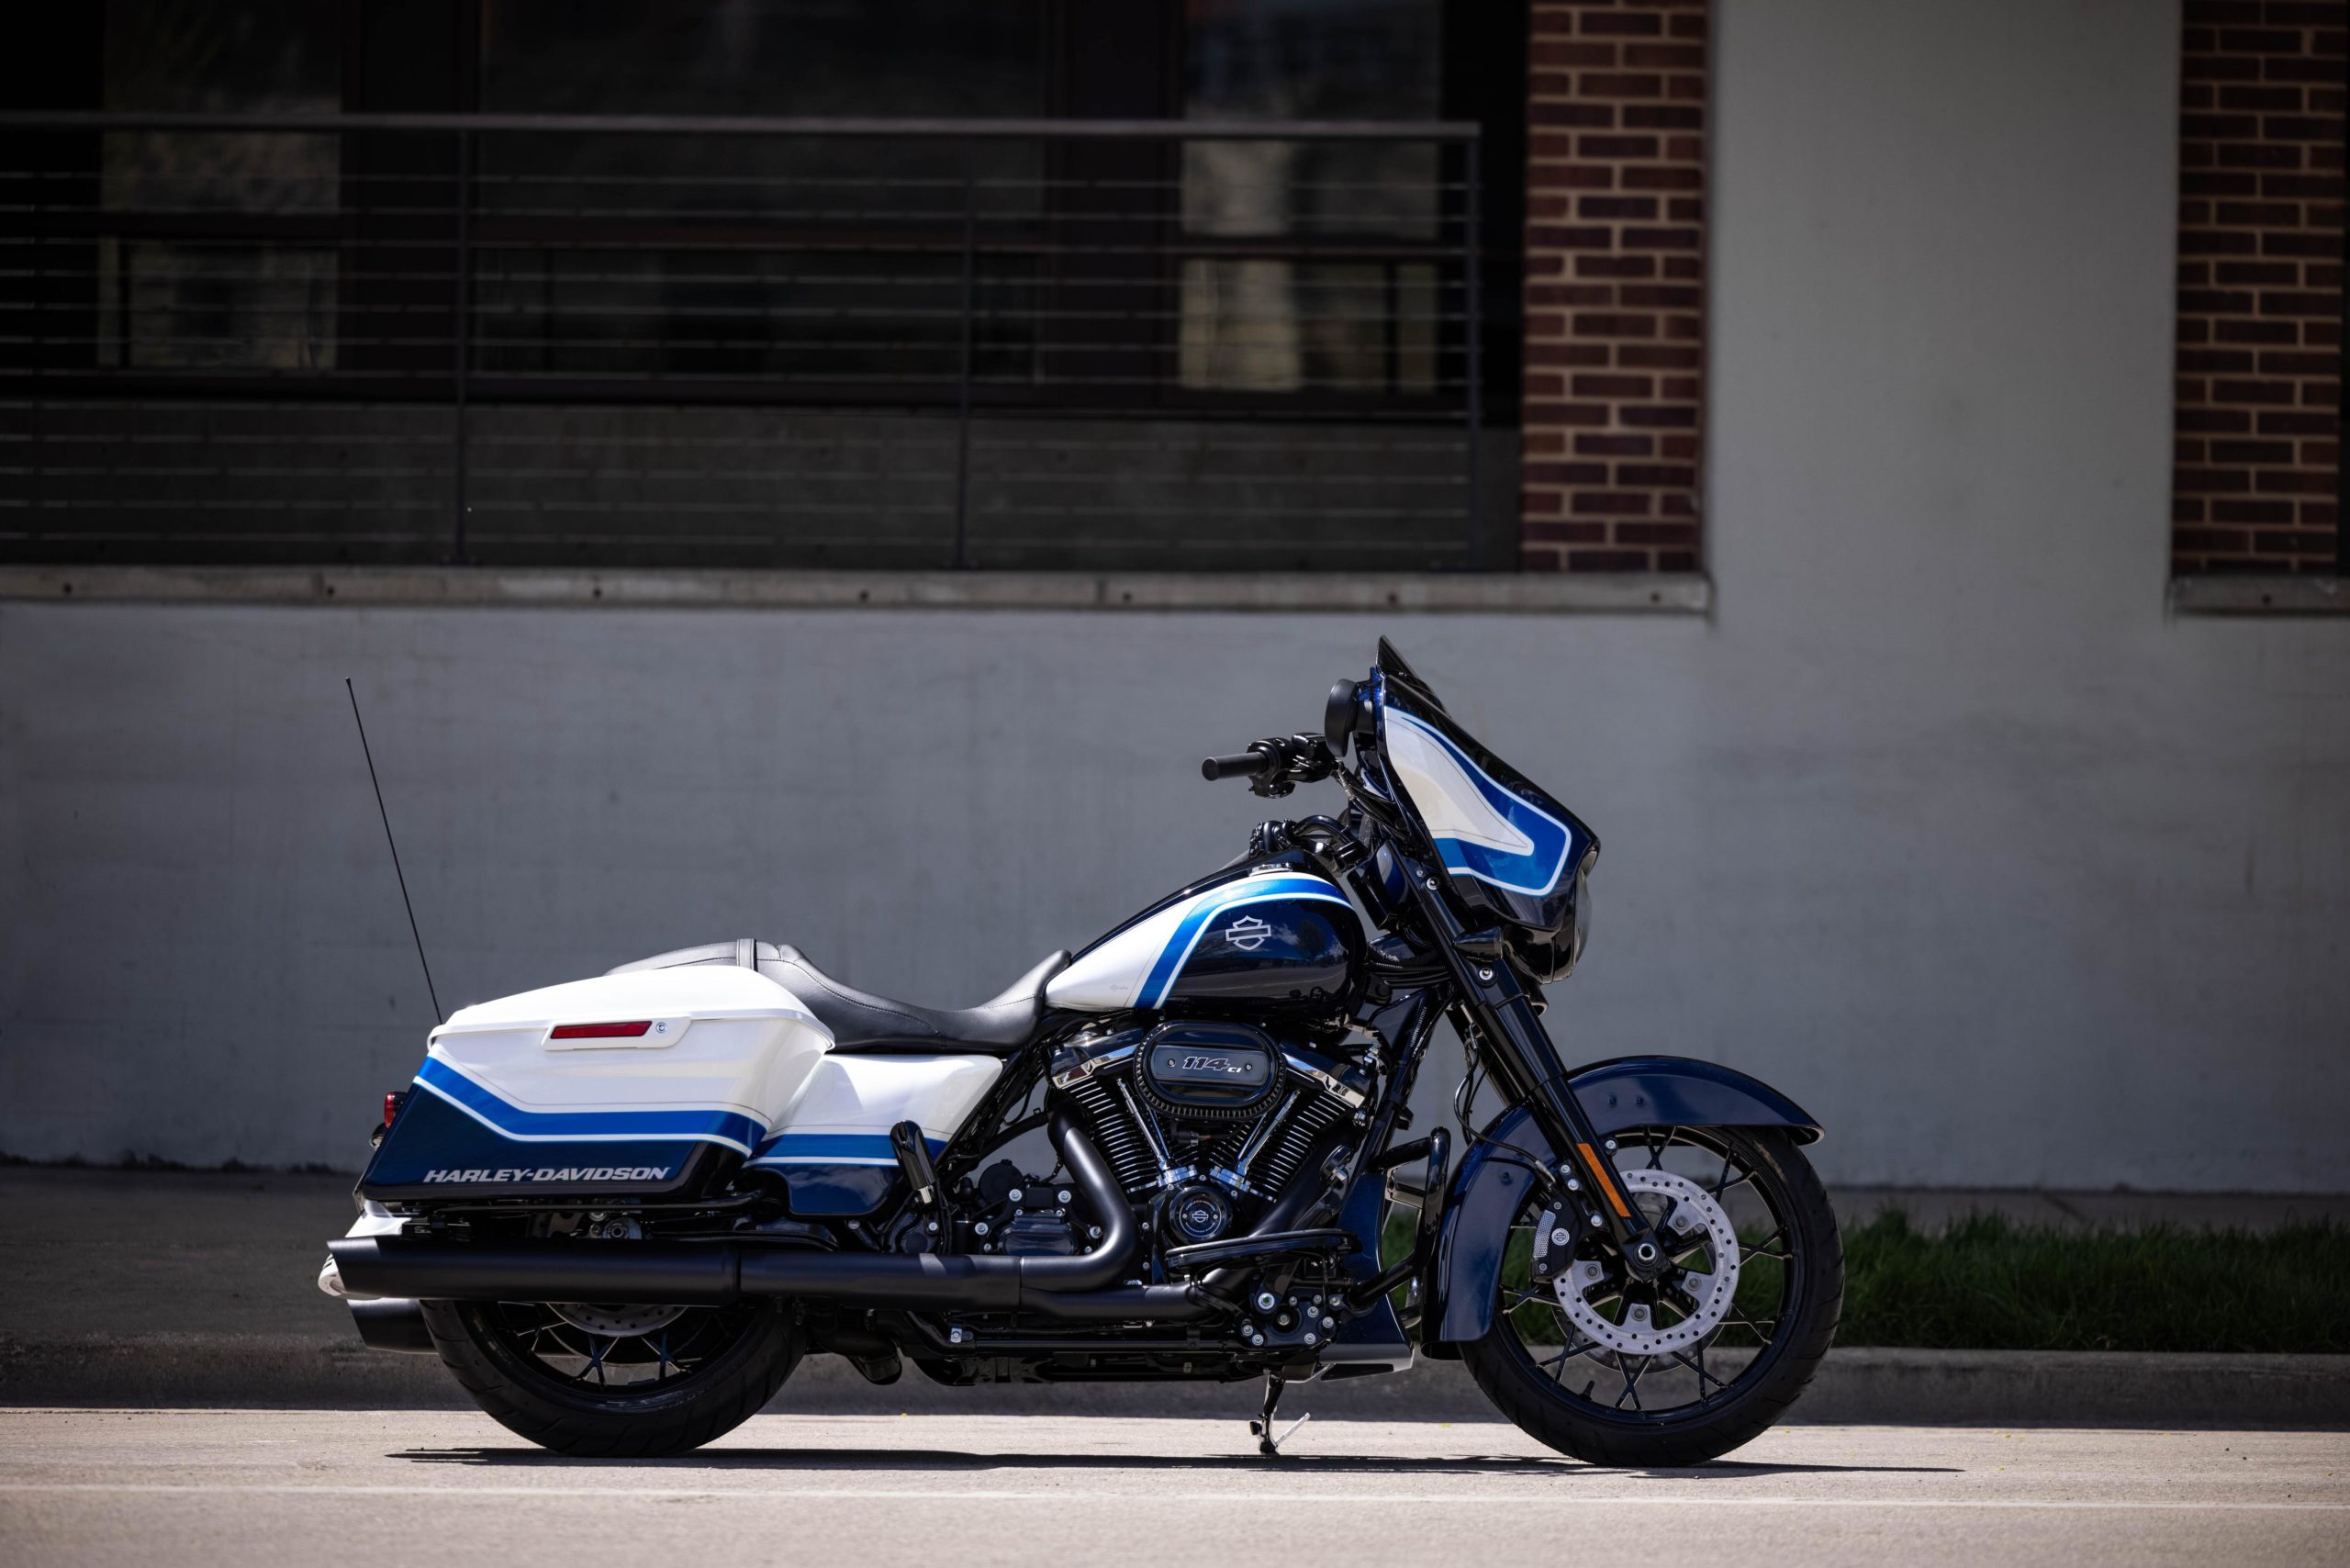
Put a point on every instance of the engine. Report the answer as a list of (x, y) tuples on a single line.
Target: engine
[(1208, 1122)]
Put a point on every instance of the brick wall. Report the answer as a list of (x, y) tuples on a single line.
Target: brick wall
[(2256, 482), (1614, 286)]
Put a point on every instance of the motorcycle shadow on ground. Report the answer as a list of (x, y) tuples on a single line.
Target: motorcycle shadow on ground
[(1301, 1461)]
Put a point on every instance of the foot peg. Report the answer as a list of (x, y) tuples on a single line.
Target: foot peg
[(1261, 1248)]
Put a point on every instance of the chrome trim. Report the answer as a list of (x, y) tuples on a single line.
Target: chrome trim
[(1234, 1182), (1354, 1098), (1386, 1358), (1261, 1135), (1092, 1065), (1167, 1174)]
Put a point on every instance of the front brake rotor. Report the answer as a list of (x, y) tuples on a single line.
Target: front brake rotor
[(1694, 1217)]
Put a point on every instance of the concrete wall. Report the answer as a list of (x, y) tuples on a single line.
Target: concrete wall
[(1938, 821)]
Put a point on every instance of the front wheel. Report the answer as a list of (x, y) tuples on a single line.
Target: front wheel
[(1684, 1368), (613, 1381)]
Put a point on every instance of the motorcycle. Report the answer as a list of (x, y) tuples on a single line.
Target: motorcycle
[(621, 1210)]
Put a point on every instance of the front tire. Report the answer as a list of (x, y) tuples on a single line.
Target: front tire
[(602, 1390), (1542, 1367)]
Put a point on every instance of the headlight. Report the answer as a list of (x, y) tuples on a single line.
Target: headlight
[(1552, 956)]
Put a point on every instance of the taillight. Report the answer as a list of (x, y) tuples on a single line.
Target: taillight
[(625, 1031), (392, 1106)]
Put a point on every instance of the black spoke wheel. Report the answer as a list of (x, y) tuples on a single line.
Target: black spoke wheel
[(1683, 1367), (612, 1380)]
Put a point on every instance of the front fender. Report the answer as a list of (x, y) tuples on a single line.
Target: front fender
[(1631, 1091)]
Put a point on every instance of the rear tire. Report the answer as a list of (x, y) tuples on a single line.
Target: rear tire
[(1545, 1406), (674, 1415)]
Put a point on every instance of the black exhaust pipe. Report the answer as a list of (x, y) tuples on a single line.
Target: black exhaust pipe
[(391, 1323), (712, 1274)]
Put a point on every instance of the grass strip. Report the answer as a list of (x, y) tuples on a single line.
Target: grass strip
[(1987, 1283)]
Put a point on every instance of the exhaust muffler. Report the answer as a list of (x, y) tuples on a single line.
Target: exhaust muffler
[(717, 1274)]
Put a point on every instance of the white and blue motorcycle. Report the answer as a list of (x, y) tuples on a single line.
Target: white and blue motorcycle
[(621, 1210)]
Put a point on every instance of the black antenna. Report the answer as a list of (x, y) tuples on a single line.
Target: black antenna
[(437, 1017)]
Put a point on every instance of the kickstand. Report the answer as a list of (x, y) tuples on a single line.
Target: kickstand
[(1262, 1428)]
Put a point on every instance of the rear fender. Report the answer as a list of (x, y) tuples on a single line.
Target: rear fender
[(1631, 1091)]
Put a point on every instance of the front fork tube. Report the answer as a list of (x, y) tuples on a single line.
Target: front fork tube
[(1517, 1053)]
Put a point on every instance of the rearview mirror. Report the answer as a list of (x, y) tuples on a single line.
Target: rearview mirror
[(1338, 716)]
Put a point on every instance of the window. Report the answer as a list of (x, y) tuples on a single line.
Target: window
[(1295, 322), (225, 290), (627, 347)]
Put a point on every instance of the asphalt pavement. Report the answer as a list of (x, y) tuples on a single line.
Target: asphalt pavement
[(197, 1488)]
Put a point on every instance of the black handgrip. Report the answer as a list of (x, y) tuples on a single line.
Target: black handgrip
[(1237, 765)]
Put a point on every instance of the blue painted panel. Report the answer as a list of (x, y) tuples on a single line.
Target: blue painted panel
[(436, 1150), (834, 1192), (732, 1128)]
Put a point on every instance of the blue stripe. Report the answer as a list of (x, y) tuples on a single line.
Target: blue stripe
[(1247, 889), (1550, 837), (819, 1147), (705, 1125)]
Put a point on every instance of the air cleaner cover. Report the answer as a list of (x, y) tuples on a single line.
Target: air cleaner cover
[(1214, 1071)]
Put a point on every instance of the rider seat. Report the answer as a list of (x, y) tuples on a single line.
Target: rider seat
[(862, 1022)]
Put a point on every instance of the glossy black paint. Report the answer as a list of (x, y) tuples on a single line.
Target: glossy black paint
[(1284, 960), (1630, 1092)]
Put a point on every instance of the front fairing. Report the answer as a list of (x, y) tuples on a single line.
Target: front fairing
[(1507, 848)]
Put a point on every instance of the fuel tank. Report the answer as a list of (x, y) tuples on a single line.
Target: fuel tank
[(1260, 942)]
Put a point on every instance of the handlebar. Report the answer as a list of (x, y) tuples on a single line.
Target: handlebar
[(1243, 764), (1275, 765)]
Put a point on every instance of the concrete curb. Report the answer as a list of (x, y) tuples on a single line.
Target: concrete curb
[(1856, 1387)]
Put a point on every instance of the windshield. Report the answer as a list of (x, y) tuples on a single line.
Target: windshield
[(1392, 663), (1508, 848)]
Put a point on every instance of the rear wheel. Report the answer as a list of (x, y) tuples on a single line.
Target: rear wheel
[(613, 1381), (1685, 1368)]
